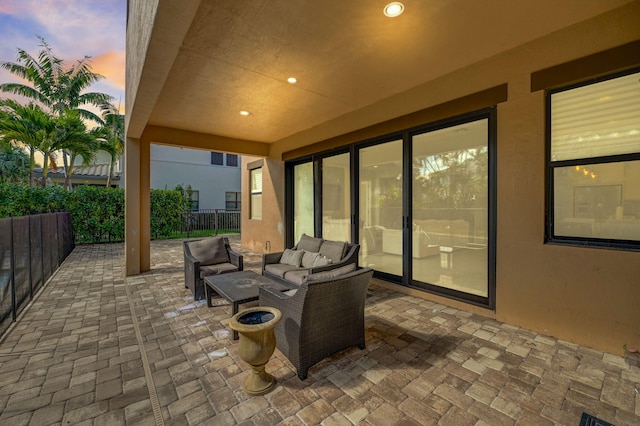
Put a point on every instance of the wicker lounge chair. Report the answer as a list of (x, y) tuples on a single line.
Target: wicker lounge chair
[(205, 257), (321, 317)]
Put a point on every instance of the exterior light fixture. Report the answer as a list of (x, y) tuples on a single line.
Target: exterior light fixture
[(245, 113), (393, 9), (292, 80)]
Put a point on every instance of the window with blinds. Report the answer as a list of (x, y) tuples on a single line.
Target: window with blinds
[(256, 194), (596, 120), (594, 163)]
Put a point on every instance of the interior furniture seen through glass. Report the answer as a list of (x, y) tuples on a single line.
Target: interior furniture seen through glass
[(303, 200), (450, 207), (380, 207), (594, 151), (336, 198)]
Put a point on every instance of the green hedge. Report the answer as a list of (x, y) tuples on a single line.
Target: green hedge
[(97, 212), (17, 199)]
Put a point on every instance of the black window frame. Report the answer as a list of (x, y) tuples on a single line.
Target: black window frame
[(551, 166), (234, 160), (236, 202), (217, 158), (195, 202)]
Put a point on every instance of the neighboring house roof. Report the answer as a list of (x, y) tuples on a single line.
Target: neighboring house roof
[(94, 171)]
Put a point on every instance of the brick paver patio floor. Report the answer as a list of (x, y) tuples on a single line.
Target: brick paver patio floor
[(79, 356)]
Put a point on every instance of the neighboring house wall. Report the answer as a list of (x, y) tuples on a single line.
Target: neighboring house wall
[(581, 294), (172, 166)]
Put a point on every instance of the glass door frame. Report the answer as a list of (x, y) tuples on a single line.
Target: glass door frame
[(489, 113), (355, 208)]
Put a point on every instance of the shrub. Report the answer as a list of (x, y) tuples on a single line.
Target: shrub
[(17, 199), (97, 212), (167, 210)]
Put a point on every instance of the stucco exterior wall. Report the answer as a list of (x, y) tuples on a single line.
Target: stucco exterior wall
[(584, 295), (266, 235), (140, 20)]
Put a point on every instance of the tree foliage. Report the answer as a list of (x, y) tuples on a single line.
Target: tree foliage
[(14, 165), (59, 91)]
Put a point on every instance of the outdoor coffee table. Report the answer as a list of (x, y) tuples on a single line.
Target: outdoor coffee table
[(239, 287)]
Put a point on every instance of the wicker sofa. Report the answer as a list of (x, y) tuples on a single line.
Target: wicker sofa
[(205, 257), (309, 256), (324, 315)]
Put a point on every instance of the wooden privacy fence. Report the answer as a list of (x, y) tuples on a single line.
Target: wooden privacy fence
[(31, 250)]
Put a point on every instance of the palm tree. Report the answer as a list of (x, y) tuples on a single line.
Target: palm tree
[(29, 126), (112, 136), (74, 140), (57, 87)]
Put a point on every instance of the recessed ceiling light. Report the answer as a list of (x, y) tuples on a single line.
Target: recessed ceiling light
[(393, 9), (292, 80), (243, 112)]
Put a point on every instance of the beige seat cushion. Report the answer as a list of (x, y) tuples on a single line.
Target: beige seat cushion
[(297, 276), (218, 268), (279, 269), (209, 251), (332, 273)]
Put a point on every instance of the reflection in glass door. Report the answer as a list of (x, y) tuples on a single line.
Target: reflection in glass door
[(336, 198), (450, 207), (303, 200), (380, 209)]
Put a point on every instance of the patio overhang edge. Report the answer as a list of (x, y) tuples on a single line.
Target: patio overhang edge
[(472, 102), (205, 141)]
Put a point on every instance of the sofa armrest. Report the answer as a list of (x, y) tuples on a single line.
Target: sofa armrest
[(236, 259), (266, 293), (289, 306), (269, 258), (191, 269), (350, 257)]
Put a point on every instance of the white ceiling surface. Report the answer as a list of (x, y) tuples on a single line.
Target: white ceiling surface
[(237, 55)]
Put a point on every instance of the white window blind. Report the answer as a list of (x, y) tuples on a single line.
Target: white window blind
[(256, 181), (597, 120)]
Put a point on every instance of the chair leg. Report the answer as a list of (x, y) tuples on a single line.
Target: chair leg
[(302, 374)]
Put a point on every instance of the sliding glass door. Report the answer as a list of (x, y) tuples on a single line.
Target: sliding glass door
[(336, 197), (303, 204), (450, 207), (423, 202), (380, 207)]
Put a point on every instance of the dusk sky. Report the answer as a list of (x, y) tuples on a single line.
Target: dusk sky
[(74, 29)]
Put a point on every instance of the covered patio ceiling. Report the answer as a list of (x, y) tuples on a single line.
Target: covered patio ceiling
[(207, 61)]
